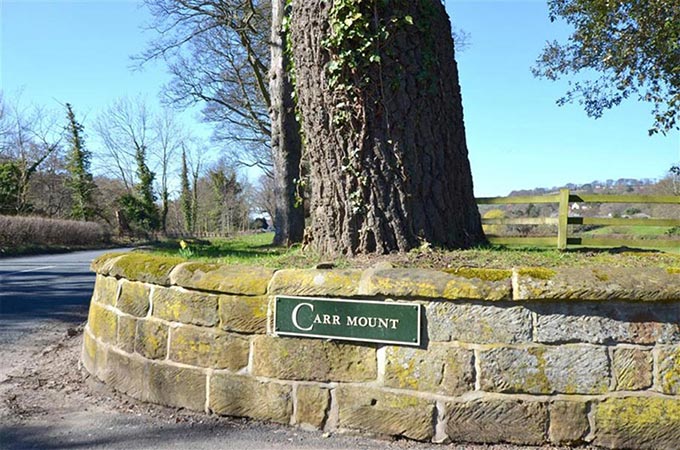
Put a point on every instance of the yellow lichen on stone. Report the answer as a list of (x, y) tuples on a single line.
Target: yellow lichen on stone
[(222, 278), (103, 323), (673, 270), (540, 273), (480, 273), (634, 413), (145, 267)]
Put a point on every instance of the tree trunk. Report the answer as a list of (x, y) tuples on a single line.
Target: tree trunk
[(286, 144), (383, 126)]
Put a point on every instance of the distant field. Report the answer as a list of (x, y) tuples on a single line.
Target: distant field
[(630, 230)]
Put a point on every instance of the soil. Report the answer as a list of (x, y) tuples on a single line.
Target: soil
[(48, 401)]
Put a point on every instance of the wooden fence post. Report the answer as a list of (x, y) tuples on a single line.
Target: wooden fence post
[(563, 220)]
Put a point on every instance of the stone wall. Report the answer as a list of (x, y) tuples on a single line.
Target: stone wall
[(527, 356)]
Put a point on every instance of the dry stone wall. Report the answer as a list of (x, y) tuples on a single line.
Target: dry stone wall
[(528, 356)]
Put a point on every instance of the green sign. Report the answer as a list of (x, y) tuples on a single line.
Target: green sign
[(352, 320)]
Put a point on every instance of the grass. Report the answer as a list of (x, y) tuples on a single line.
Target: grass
[(642, 231), (255, 249)]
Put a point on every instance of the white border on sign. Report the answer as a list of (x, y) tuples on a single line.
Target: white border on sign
[(323, 336)]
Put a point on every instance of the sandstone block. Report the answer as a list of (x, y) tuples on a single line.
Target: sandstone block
[(632, 369), (479, 324), (134, 298), (669, 370), (426, 283), (176, 305), (441, 369), (127, 374), (568, 422), (312, 360), (567, 369), (493, 421), (243, 314), (151, 339), (208, 348), (326, 283), (102, 264), (242, 396), (94, 356), (179, 387), (221, 278), (312, 403), (611, 283), (387, 413), (606, 323), (102, 323), (651, 423), (105, 290), (127, 331), (144, 267)]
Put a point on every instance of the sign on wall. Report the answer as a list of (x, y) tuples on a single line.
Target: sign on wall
[(353, 320)]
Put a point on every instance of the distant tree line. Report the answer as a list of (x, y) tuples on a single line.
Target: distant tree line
[(146, 175)]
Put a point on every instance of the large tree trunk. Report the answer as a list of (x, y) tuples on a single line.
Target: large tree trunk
[(286, 144), (384, 128)]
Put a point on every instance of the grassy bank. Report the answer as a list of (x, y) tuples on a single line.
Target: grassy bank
[(255, 249)]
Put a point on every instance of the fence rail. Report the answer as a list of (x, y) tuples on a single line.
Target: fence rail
[(562, 240)]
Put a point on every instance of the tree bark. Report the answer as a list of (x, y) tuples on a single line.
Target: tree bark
[(286, 144), (388, 156)]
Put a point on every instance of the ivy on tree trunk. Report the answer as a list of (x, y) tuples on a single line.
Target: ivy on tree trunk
[(378, 92)]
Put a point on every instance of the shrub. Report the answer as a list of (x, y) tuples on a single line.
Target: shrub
[(20, 232)]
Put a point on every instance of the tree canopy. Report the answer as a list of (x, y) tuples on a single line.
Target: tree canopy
[(619, 48)]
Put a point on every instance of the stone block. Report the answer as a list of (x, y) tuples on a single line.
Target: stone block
[(441, 369), (134, 298), (243, 314), (632, 369), (650, 284), (608, 322), (325, 283), (478, 323), (243, 396), (388, 413), (427, 283), (102, 264), (144, 267), (103, 323), (180, 387), (94, 356), (568, 422), (493, 421), (127, 330), (312, 360), (225, 279), (312, 405), (566, 369), (127, 374), (202, 347), (669, 370), (644, 423), (178, 305), (151, 339), (105, 290)]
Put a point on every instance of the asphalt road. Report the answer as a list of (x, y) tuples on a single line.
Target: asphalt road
[(36, 290)]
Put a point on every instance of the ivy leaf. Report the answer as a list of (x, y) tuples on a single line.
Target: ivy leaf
[(408, 20)]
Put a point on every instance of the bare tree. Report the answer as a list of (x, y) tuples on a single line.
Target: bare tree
[(168, 139), (29, 135), (124, 127), (218, 54)]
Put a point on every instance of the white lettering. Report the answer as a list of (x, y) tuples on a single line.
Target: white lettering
[(294, 316), (351, 321), (326, 319), (317, 319), (336, 320), (394, 323)]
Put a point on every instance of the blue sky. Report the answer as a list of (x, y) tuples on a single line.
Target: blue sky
[(78, 51)]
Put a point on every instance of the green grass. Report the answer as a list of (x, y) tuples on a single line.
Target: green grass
[(642, 231), (255, 249)]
